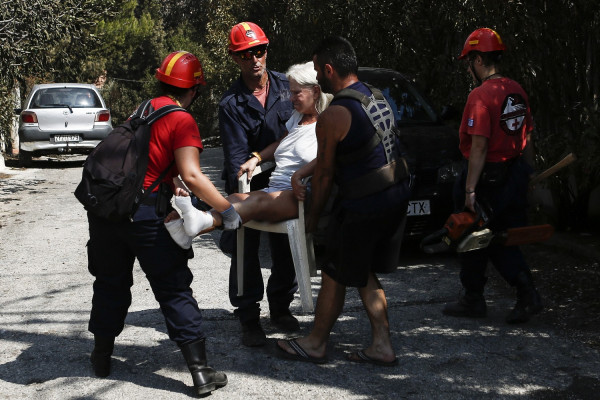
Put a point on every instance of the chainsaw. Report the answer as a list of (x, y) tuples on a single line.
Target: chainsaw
[(467, 231)]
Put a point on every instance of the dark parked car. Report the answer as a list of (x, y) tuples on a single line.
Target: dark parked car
[(434, 157), (62, 118)]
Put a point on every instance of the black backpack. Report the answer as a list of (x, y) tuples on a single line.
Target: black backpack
[(113, 174)]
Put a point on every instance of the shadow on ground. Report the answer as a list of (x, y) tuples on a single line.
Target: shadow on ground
[(438, 354)]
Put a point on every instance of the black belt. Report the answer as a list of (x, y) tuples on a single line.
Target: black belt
[(496, 172), (375, 180)]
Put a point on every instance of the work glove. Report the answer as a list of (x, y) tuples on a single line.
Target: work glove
[(231, 219)]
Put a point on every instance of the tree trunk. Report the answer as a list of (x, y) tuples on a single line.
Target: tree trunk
[(14, 131)]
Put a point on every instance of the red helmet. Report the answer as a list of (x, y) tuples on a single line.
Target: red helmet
[(245, 35), (483, 40), (181, 69)]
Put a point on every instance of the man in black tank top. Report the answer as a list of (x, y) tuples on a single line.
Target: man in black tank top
[(353, 256)]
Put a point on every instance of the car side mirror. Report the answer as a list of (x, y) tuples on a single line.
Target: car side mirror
[(18, 111), (448, 112)]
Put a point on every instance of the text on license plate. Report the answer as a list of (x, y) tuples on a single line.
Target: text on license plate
[(66, 138), (418, 207)]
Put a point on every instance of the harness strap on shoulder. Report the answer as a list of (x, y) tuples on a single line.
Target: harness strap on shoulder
[(396, 169), (379, 112)]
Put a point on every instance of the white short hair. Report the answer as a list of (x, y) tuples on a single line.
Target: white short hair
[(305, 75)]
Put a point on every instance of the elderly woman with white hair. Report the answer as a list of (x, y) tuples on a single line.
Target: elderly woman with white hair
[(294, 157)]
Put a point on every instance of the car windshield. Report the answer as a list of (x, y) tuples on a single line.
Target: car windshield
[(65, 97), (408, 104)]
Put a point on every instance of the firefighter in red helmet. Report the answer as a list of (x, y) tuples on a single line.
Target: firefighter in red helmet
[(181, 69), (252, 115), (494, 130), (246, 35), (174, 149), (484, 40)]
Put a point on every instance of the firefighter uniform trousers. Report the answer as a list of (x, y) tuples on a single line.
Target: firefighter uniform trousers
[(507, 198), (112, 250)]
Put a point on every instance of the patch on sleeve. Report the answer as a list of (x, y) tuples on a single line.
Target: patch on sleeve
[(470, 122)]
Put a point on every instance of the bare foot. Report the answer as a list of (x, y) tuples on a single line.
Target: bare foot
[(369, 356)]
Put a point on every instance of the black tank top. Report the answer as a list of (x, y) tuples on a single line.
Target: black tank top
[(360, 133)]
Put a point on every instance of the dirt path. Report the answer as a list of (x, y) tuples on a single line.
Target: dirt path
[(45, 293)]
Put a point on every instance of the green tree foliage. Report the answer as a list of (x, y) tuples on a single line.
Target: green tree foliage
[(553, 51), (207, 23), (146, 31), (133, 45), (556, 61), (40, 39), (33, 34)]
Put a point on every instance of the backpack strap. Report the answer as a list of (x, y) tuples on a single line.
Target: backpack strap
[(146, 114), (142, 109), (149, 119), (161, 112), (156, 182)]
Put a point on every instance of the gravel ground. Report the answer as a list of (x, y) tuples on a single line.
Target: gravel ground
[(45, 294)]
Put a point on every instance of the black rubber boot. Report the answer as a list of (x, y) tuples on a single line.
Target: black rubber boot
[(529, 301), (103, 349), (253, 334), (205, 378), (285, 321), (471, 305)]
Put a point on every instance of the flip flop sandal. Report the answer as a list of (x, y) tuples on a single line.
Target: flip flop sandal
[(301, 354), (360, 357)]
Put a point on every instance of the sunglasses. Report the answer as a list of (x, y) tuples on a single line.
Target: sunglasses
[(258, 51)]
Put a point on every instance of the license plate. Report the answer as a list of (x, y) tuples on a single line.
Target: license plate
[(66, 138), (418, 207)]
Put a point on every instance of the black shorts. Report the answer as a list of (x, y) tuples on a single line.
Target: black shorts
[(360, 243)]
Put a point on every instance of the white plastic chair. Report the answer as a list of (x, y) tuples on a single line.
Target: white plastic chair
[(301, 244)]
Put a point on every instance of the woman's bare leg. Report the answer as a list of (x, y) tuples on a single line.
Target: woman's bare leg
[(262, 206)]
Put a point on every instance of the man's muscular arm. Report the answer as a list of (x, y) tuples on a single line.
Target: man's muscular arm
[(332, 126)]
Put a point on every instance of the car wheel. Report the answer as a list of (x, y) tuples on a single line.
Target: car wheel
[(24, 158)]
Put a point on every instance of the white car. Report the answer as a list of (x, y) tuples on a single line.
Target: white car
[(62, 118)]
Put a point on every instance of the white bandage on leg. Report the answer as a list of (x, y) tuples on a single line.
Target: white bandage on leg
[(194, 220), (178, 234)]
